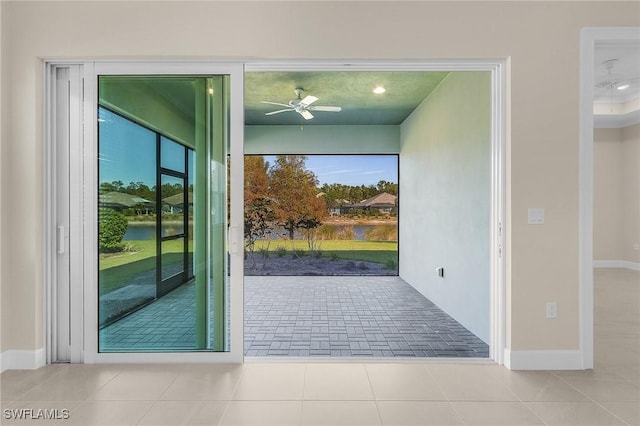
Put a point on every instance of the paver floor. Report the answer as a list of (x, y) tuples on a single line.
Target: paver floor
[(349, 317), (309, 317)]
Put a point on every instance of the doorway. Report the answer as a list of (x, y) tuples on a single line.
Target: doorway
[(589, 37), (85, 252), (281, 129)]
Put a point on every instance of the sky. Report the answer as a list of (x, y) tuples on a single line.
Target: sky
[(352, 169), (119, 162)]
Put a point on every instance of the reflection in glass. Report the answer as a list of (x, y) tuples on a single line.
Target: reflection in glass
[(172, 155), (127, 269), (162, 278), (172, 258)]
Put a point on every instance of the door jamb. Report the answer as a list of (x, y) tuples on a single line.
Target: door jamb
[(588, 37)]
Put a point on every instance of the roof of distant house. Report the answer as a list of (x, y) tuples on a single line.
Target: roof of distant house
[(383, 199), (177, 199), (122, 199)]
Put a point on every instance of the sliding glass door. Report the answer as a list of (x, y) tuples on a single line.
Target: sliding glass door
[(162, 213)]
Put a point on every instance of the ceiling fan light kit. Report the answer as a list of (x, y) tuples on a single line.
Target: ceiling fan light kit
[(302, 105)]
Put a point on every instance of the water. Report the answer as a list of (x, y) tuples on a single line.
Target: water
[(143, 231), (146, 231)]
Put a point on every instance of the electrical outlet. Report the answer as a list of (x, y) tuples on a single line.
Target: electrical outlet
[(552, 310), (636, 246)]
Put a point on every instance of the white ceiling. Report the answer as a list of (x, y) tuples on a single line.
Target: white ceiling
[(616, 63)]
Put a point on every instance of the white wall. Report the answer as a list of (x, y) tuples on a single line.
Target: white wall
[(4, 299), (541, 40), (616, 218), (321, 139), (445, 192)]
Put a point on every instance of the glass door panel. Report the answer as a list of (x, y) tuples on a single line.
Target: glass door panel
[(162, 153)]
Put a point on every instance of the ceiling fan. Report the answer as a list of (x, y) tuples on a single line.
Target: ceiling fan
[(302, 105)]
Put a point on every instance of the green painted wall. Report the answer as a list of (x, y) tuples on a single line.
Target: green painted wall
[(445, 194), (322, 139)]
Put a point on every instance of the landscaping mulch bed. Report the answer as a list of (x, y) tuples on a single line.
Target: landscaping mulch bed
[(255, 264)]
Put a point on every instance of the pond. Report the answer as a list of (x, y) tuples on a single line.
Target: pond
[(147, 231)]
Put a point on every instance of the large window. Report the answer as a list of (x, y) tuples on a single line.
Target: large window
[(321, 214)]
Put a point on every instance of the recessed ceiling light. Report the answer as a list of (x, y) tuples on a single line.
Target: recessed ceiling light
[(379, 90), (623, 86)]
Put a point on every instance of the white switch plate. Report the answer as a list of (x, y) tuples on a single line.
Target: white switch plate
[(536, 216), (552, 310)]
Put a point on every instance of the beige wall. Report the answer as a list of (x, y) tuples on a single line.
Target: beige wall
[(541, 38), (616, 219), (445, 193), (631, 193)]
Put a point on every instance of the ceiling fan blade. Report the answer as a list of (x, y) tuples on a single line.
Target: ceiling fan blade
[(306, 114), (276, 103), (278, 111), (325, 108), (308, 100)]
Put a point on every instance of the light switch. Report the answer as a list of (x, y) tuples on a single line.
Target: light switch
[(536, 216)]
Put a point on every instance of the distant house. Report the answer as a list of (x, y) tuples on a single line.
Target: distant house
[(175, 203), (338, 207), (384, 203), (120, 201)]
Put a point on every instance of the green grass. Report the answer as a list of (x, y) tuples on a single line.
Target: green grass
[(367, 251), (118, 269)]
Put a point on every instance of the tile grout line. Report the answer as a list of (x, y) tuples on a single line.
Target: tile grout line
[(593, 400), (373, 393)]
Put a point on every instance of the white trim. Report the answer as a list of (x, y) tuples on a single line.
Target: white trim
[(14, 359), (588, 37), (625, 264), (543, 360)]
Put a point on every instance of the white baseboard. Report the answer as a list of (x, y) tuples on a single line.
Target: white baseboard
[(22, 359), (634, 266), (543, 360)]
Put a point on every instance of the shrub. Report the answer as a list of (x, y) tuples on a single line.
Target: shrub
[(111, 229), (298, 253), (383, 233), (264, 253), (281, 251), (346, 233), (391, 265)]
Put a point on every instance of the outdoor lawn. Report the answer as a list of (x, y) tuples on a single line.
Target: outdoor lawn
[(118, 269), (358, 250)]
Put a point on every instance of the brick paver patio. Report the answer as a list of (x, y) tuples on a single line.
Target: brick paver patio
[(349, 317), (309, 317)]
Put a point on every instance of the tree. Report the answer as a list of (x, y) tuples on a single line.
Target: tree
[(258, 212), (297, 202)]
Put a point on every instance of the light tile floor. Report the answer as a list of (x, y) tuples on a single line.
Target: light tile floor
[(422, 393)]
